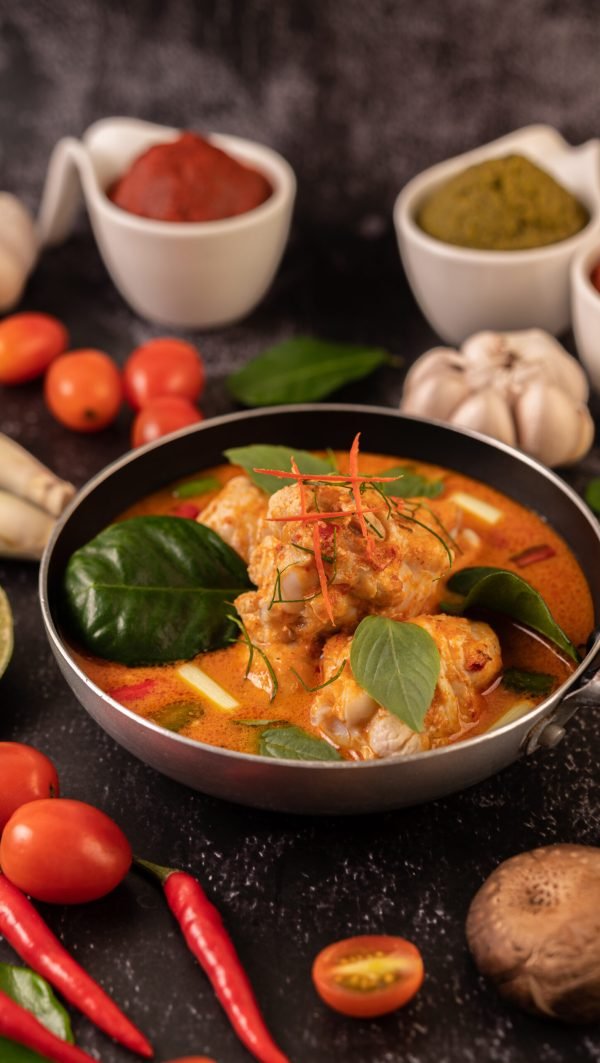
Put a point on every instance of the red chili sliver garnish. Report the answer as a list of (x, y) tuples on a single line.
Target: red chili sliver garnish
[(533, 554), (132, 691), (185, 509)]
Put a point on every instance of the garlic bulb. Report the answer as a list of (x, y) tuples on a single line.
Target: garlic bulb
[(18, 249), (520, 387)]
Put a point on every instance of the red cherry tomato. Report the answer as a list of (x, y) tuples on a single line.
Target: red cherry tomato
[(369, 975), (63, 852), (83, 390), (162, 416), (26, 775), (163, 367), (28, 343)]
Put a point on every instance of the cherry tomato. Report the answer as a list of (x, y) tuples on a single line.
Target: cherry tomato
[(28, 343), (162, 416), (163, 367), (63, 851), (83, 390), (369, 975), (26, 775)]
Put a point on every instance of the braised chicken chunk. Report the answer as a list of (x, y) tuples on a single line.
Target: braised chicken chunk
[(237, 514), (393, 572), (343, 712)]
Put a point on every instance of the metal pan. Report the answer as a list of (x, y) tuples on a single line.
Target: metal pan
[(305, 787)]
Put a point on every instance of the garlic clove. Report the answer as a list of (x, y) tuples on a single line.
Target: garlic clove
[(12, 279), (486, 411), (547, 423), (539, 351), (587, 431), (17, 230), (437, 360), (436, 396)]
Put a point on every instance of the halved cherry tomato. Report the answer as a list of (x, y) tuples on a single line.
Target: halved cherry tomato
[(163, 367), (368, 975), (83, 390), (162, 416), (28, 343), (63, 851), (25, 775)]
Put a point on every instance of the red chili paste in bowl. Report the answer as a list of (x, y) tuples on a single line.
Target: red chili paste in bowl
[(189, 179), (595, 277)]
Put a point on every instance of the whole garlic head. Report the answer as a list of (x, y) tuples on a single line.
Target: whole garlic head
[(18, 249), (520, 387)]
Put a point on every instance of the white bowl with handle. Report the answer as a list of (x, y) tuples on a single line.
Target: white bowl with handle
[(586, 311), (187, 274), (464, 290)]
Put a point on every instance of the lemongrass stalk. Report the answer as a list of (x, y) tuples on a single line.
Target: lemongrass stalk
[(22, 474), (24, 529)]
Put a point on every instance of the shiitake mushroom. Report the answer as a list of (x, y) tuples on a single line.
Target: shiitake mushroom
[(534, 930)]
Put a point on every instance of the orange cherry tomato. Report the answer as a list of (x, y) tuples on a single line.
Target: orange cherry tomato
[(28, 343), (162, 416), (26, 775), (63, 851), (163, 367), (369, 975), (83, 390)]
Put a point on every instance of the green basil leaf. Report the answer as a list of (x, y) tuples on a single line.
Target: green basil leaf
[(292, 743), (398, 664), (150, 590), (259, 723), (197, 487), (34, 994), (411, 484), (177, 715), (265, 456), (592, 494), (505, 592), (303, 370), (522, 682)]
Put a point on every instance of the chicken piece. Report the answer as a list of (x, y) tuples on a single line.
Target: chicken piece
[(469, 661), (411, 545), (237, 514)]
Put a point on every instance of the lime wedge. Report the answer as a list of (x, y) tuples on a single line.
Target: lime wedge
[(6, 632)]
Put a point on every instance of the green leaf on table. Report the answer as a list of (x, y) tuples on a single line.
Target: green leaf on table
[(523, 682), (266, 456), (502, 591), (292, 743), (303, 369), (193, 488), (411, 483), (34, 994), (150, 590), (592, 494), (398, 664)]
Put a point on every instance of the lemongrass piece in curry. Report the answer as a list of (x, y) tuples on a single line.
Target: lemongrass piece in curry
[(24, 529), (23, 475)]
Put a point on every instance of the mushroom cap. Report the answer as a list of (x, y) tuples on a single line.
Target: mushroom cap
[(534, 929)]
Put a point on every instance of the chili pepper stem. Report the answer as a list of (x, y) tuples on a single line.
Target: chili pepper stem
[(156, 870)]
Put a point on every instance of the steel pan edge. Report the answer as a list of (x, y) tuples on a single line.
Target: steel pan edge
[(304, 787)]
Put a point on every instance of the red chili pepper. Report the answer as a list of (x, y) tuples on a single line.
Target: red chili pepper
[(208, 939), (24, 928), (18, 1024), (132, 691), (532, 555), (185, 509)]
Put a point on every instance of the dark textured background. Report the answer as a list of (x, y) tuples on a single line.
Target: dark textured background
[(359, 96)]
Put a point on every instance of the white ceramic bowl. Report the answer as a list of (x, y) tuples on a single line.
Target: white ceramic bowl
[(188, 274), (461, 290), (585, 307)]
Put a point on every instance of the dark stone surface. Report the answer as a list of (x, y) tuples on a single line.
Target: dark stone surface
[(359, 97)]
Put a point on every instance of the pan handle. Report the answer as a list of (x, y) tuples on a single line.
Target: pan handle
[(550, 730)]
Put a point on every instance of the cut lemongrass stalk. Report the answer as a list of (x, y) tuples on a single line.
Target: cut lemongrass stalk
[(488, 514), (512, 714), (203, 683), (24, 529), (22, 474)]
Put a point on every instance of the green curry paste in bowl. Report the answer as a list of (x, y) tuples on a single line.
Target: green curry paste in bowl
[(502, 204)]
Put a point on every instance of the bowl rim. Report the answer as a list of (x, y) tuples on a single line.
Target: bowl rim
[(264, 158), (421, 183), (61, 649)]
